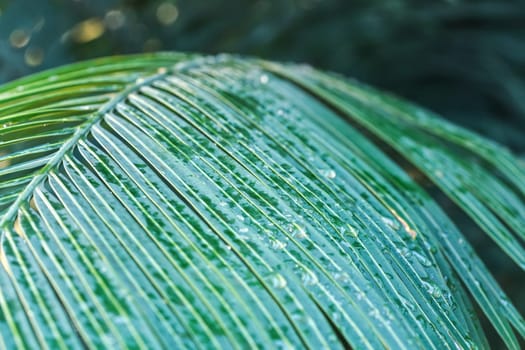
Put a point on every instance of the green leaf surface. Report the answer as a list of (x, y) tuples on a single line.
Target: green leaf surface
[(178, 201)]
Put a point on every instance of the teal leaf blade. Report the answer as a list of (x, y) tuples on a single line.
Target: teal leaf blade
[(179, 201)]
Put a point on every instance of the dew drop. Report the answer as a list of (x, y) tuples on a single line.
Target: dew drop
[(405, 252), (432, 289), (278, 281), (393, 224), (374, 314), (436, 293), (264, 79), (309, 278), (299, 232), (423, 260), (342, 277), (277, 244), (407, 303), (329, 174), (283, 345), (120, 320), (352, 231)]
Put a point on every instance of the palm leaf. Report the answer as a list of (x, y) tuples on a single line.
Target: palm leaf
[(178, 201)]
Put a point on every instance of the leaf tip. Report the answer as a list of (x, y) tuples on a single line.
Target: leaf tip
[(3, 261), (18, 228)]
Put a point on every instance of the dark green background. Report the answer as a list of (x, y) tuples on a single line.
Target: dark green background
[(463, 59)]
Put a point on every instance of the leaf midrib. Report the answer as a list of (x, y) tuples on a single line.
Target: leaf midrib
[(82, 130)]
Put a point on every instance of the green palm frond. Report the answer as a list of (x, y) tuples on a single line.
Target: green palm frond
[(178, 201)]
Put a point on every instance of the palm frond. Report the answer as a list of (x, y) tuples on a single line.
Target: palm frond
[(181, 201)]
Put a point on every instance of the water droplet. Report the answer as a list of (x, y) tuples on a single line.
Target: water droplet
[(406, 303), (120, 320), (336, 316), (351, 230), (405, 252), (299, 232), (393, 224), (243, 229), (283, 345), (109, 341), (309, 278), (277, 244), (432, 289), (264, 79), (423, 260), (329, 174), (342, 277), (374, 313), (278, 281)]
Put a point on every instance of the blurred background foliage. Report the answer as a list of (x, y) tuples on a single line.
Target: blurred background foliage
[(463, 59)]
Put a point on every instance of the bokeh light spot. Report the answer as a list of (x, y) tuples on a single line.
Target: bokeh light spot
[(114, 19), (34, 56), (152, 44), (167, 13), (19, 38), (87, 30)]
